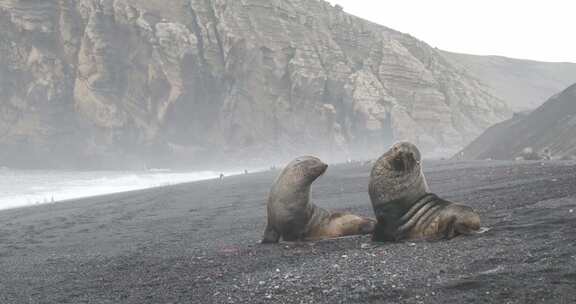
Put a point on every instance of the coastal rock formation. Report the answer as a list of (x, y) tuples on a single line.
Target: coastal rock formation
[(546, 133), (139, 83), (523, 84)]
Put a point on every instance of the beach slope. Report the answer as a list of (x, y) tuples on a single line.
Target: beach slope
[(198, 243)]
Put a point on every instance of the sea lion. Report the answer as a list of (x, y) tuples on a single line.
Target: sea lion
[(291, 215), (404, 206)]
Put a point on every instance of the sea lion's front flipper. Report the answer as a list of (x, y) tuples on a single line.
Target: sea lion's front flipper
[(383, 233), (270, 235)]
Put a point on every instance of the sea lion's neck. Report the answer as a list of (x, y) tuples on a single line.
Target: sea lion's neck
[(412, 196), (408, 187), (296, 191)]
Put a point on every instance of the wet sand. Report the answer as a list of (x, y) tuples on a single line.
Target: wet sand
[(198, 243)]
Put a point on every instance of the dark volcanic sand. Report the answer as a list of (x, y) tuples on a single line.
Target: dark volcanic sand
[(197, 243)]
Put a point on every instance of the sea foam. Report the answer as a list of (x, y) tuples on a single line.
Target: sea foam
[(25, 188)]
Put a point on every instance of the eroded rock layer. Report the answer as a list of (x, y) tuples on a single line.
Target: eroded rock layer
[(132, 83)]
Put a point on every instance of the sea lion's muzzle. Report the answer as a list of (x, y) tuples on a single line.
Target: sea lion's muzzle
[(315, 170), (321, 168), (403, 161)]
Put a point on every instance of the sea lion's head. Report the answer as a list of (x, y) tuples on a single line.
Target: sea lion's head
[(403, 157), (398, 174), (304, 170)]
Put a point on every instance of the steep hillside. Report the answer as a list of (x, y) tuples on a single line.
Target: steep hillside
[(523, 84), (550, 129), (111, 83)]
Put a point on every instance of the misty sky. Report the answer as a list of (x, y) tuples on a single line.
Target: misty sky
[(530, 29)]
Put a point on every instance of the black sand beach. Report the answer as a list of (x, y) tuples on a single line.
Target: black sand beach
[(198, 243)]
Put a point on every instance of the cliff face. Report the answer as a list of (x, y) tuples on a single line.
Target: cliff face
[(111, 82), (547, 131), (523, 84)]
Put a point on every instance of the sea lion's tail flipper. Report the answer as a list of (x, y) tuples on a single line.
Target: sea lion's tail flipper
[(368, 226), (468, 224), (465, 221), (270, 235)]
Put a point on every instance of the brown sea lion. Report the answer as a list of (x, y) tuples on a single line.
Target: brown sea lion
[(291, 215), (404, 206)]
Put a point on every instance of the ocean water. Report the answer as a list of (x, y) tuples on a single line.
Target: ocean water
[(24, 188)]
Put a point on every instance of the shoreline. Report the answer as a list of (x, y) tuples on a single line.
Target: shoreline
[(85, 185)]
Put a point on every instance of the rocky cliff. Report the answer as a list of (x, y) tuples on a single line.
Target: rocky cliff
[(110, 83), (547, 132), (523, 84)]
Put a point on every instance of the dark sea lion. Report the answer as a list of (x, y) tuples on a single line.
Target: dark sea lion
[(404, 206), (291, 215)]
